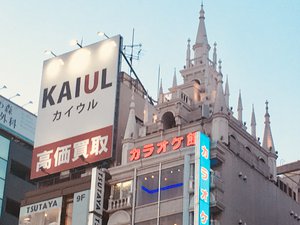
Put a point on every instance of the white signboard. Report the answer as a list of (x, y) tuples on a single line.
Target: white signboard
[(97, 191), (41, 213), (76, 108), (16, 120), (80, 207)]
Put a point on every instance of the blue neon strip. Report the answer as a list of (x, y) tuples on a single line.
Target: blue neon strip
[(162, 188)]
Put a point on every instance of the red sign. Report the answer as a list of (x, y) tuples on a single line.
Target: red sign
[(161, 147), (72, 152)]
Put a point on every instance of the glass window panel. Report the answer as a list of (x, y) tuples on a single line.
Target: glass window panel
[(148, 222), (126, 189), (12, 207), (147, 188), (171, 182), (117, 189), (171, 220), (1, 206), (1, 188), (3, 165), (4, 147)]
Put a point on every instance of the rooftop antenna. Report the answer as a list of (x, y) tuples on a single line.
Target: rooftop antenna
[(133, 54)]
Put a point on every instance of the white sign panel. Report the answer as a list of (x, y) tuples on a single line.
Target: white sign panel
[(97, 191), (80, 207), (41, 213), (76, 108), (16, 120)]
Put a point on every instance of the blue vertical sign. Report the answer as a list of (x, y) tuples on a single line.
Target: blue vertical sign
[(202, 179)]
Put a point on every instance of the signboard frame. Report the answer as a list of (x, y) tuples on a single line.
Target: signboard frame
[(95, 142)]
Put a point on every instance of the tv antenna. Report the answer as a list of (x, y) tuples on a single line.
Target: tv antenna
[(135, 51)]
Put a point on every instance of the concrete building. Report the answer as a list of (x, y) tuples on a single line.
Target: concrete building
[(152, 179), (17, 127)]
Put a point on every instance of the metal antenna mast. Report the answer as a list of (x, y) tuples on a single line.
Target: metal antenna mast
[(133, 54)]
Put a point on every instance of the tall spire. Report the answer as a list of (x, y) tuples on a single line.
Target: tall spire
[(201, 46), (253, 123), (161, 93), (130, 131), (240, 108), (188, 54), (220, 104), (174, 78), (268, 143), (215, 55), (227, 93)]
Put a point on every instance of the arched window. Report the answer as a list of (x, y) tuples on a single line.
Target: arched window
[(168, 120)]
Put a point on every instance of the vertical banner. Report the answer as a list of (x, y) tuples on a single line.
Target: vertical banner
[(202, 180), (80, 207), (97, 191), (94, 219)]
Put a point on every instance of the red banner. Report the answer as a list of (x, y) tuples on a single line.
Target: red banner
[(72, 152)]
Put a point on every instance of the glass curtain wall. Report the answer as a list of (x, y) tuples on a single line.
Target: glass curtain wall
[(4, 151)]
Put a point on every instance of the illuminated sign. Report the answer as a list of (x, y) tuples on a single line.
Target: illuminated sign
[(41, 213), (164, 146), (202, 180), (76, 109), (17, 120)]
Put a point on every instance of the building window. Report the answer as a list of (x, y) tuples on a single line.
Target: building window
[(3, 165), (148, 222), (147, 188), (68, 210), (1, 188), (171, 182), (172, 219), (4, 147), (20, 170), (122, 190), (12, 207), (171, 185)]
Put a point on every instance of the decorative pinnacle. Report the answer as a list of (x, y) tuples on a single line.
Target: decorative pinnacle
[(220, 65), (202, 11)]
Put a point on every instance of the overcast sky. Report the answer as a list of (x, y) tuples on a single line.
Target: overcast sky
[(258, 42)]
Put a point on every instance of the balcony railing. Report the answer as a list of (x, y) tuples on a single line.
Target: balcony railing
[(178, 94), (117, 204)]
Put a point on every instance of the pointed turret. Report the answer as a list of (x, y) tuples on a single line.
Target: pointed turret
[(188, 54), (220, 120), (240, 108), (146, 112), (174, 79), (130, 131), (253, 123), (227, 93), (220, 104), (268, 143), (201, 47), (215, 55), (161, 93)]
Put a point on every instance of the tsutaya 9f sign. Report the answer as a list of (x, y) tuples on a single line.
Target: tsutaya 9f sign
[(202, 179), (76, 108)]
